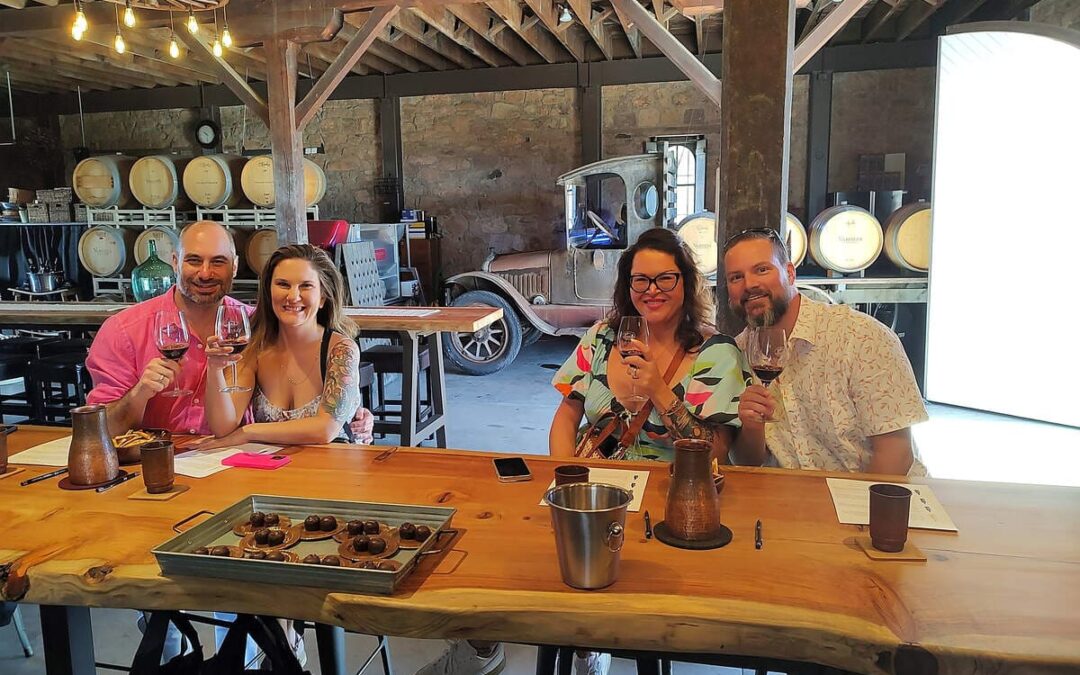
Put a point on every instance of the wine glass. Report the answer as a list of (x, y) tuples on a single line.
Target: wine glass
[(766, 349), (632, 328), (234, 331), (171, 337)]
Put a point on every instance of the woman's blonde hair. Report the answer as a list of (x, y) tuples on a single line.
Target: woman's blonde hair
[(264, 324)]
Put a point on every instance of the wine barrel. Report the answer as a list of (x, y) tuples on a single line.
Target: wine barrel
[(240, 240), (213, 181), (155, 181), (698, 230), (102, 182), (907, 237), (257, 179), (105, 251), (845, 239), (796, 240), (260, 246), (165, 238)]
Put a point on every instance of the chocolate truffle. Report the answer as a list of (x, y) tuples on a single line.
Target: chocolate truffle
[(332, 561), (258, 519), (273, 520), (376, 545), (220, 551), (311, 523), (361, 543), (422, 532), (371, 527), (386, 565), (311, 559), (328, 523), (276, 556), (202, 550), (407, 531), (369, 565), (355, 527), (276, 538), (261, 536), (255, 555)]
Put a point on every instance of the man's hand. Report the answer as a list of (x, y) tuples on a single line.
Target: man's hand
[(157, 376), (362, 425), (755, 406)]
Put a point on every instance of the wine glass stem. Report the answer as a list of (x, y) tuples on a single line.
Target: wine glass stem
[(232, 367)]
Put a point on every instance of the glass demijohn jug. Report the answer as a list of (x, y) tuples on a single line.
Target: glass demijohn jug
[(153, 277)]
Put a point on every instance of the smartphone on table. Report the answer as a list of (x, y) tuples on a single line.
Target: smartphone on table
[(511, 469)]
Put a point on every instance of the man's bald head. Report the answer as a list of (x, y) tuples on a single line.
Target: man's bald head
[(205, 262)]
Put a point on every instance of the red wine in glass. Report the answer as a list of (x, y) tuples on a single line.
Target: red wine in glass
[(173, 352), (234, 330), (767, 373), (237, 345)]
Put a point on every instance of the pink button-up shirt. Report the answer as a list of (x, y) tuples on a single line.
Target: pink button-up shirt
[(118, 357)]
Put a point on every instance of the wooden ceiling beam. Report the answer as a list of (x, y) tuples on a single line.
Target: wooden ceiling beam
[(954, 11), (915, 15), (229, 77), (1001, 10), (181, 70), (26, 81), (534, 35), (34, 72), (383, 49), (14, 4), (633, 35), (72, 72), (570, 35), (488, 26), (89, 62), (824, 31), (415, 27), (439, 18), (594, 26), (878, 17), (323, 52), (406, 44)]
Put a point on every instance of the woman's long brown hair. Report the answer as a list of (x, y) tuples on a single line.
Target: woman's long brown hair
[(697, 309), (264, 324)]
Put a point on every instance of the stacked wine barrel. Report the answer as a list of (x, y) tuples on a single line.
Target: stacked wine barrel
[(162, 181)]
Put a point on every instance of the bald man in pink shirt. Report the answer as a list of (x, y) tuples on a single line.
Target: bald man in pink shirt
[(124, 362)]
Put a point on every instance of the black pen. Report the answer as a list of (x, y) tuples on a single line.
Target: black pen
[(44, 476), (757, 535), (648, 526), (117, 481)]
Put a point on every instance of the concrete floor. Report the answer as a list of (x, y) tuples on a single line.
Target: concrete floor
[(510, 412)]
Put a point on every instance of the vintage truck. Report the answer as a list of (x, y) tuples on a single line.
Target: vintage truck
[(608, 205)]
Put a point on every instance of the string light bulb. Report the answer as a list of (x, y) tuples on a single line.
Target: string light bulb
[(226, 36), (192, 24), (76, 32), (78, 28), (118, 43), (129, 15), (174, 49), (218, 51)]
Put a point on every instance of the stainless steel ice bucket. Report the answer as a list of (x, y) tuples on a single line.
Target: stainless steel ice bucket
[(589, 519)]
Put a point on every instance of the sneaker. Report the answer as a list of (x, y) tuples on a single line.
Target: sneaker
[(461, 658), (593, 663)]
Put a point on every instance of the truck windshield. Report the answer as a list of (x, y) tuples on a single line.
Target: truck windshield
[(596, 213)]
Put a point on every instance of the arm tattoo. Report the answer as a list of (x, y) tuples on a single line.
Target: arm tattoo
[(682, 424), (341, 391)]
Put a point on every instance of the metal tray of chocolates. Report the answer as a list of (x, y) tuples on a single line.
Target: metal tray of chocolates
[(323, 543)]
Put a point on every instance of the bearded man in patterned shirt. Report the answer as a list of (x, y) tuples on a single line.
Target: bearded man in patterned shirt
[(846, 399)]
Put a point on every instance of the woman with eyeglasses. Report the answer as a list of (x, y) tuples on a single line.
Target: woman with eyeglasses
[(658, 281)]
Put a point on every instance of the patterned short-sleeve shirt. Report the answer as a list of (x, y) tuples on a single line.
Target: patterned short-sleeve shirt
[(846, 378), (710, 389)]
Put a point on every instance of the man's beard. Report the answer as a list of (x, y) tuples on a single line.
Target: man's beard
[(767, 317), (187, 290)]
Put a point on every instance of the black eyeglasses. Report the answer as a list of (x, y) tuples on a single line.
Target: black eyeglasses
[(755, 233), (639, 283)]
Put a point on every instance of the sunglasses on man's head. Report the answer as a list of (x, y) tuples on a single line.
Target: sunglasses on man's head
[(755, 233)]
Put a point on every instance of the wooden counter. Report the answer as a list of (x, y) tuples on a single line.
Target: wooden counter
[(1001, 596)]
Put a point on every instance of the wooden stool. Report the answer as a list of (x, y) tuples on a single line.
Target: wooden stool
[(387, 360)]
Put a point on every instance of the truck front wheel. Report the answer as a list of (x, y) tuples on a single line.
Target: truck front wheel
[(491, 348)]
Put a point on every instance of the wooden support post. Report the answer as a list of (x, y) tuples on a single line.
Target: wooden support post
[(755, 122), (285, 140), (817, 143)]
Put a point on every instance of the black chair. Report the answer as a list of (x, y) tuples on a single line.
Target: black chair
[(386, 360), (60, 379), (367, 384), (9, 613), (17, 357)]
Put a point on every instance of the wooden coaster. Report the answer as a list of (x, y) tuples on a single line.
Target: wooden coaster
[(12, 471), (160, 497), (911, 551)]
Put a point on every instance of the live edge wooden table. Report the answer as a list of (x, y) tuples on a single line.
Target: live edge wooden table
[(404, 324), (1001, 596)]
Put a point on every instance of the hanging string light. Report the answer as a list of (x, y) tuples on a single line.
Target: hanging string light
[(174, 49), (118, 42), (192, 24), (129, 15), (226, 36), (218, 51), (79, 27)]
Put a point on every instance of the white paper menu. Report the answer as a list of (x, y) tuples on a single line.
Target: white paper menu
[(852, 501), (634, 481), (51, 453)]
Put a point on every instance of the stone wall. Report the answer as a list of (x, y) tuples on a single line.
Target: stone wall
[(486, 165), (1057, 13), (35, 160), (882, 111)]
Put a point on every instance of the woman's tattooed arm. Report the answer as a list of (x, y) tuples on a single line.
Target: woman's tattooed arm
[(341, 391)]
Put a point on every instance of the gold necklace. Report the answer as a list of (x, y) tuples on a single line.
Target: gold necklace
[(292, 381)]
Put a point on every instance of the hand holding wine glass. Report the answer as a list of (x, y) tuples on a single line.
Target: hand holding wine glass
[(766, 349), (233, 330), (632, 328), (171, 337)]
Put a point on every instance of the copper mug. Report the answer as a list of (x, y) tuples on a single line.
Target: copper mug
[(92, 457), (157, 466)]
